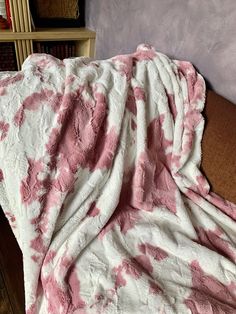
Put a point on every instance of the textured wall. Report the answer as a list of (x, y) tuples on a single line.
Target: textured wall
[(200, 31)]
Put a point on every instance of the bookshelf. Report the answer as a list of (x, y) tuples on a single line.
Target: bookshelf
[(24, 37)]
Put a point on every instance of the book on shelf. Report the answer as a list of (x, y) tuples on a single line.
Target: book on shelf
[(69, 49), (58, 49), (73, 50), (7, 57), (8, 13)]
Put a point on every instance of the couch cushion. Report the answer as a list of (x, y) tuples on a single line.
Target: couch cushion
[(219, 145)]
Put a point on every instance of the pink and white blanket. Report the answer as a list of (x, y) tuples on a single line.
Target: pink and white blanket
[(100, 181)]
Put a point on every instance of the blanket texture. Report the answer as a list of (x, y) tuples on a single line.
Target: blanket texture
[(100, 181)]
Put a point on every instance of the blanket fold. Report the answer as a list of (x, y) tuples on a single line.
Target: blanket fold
[(100, 182)]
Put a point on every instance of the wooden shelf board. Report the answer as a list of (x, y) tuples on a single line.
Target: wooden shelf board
[(6, 34), (5, 31), (50, 34)]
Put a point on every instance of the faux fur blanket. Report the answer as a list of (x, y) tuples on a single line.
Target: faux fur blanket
[(100, 181)]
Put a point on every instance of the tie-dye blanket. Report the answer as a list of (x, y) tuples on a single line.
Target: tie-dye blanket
[(100, 181)]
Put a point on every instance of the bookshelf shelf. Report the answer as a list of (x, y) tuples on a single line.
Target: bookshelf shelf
[(49, 34), (24, 37), (6, 34)]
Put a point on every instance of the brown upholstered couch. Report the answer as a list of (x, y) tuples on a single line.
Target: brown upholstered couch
[(219, 146), (218, 164)]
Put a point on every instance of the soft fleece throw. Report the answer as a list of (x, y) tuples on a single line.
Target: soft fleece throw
[(100, 181)]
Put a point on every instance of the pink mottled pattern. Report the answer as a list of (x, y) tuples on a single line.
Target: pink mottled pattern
[(100, 182), (1, 175), (157, 253), (2, 91), (93, 211), (154, 288), (213, 240), (33, 102), (208, 294), (4, 127), (226, 206), (11, 80)]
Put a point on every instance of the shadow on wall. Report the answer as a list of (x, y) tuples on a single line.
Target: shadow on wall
[(202, 32)]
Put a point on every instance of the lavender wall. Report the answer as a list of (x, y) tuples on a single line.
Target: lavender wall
[(200, 31)]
